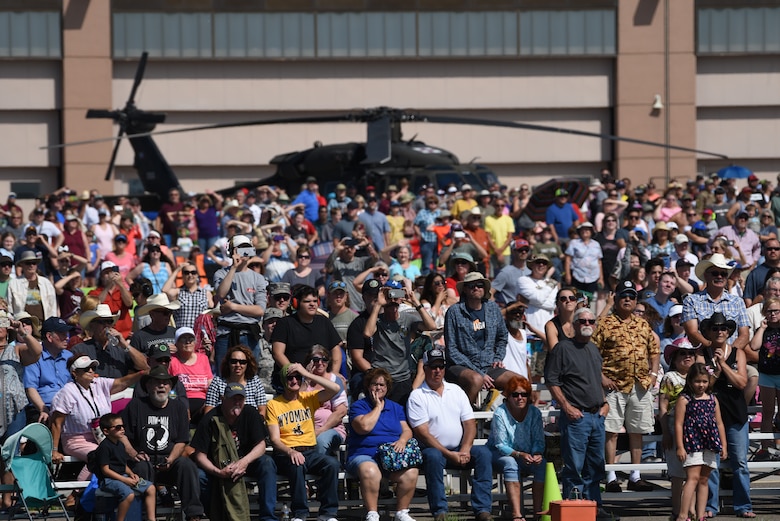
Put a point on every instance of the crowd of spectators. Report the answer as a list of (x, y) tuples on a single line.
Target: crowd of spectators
[(454, 295)]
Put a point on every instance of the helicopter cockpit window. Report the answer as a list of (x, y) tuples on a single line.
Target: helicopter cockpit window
[(445, 179), (475, 181)]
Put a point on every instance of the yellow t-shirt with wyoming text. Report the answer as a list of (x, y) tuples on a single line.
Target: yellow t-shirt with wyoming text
[(295, 418)]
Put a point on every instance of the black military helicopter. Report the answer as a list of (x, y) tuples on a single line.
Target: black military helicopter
[(382, 160)]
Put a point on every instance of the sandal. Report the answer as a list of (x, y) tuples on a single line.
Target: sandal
[(747, 515)]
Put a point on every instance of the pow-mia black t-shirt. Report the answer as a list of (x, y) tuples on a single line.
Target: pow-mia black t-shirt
[(155, 430), (145, 339)]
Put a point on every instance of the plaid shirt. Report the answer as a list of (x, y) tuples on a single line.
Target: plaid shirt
[(700, 306), (424, 219)]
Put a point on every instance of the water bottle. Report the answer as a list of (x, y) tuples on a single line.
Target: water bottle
[(113, 341), (285, 512)]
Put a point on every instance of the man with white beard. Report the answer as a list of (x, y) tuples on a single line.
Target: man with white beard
[(157, 429), (573, 376), (229, 443)]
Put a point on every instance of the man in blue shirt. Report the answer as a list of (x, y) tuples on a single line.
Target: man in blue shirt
[(308, 198), (562, 216), (44, 378), (377, 226)]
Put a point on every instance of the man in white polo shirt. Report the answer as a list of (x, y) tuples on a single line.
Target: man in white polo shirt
[(441, 417)]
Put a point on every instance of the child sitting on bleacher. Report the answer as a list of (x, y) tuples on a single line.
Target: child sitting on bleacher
[(109, 462)]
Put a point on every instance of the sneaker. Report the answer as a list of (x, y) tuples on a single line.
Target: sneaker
[(613, 486), (484, 516), (652, 459), (296, 519), (762, 455), (372, 516), (401, 515), (604, 515), (640, 485), (326, 518)]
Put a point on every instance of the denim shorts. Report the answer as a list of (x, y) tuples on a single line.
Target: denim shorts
[(353, 463), (769, 380), (122, 490)]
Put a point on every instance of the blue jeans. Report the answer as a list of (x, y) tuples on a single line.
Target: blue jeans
[(221, 347), (328, 442), (427, 253), (264, 470), (327, 467), (433, 467), (582, 449), (737, 445), (510, 467)]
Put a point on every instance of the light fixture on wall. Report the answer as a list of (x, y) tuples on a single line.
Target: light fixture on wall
[(657, 103)]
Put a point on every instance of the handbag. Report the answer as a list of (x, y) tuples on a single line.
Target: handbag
[(392, 461)]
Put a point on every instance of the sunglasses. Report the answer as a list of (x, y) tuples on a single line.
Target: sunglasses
[(768, 248), (282, 296), (238, 361), (254, 266), (523, 250), (293, 377), (318, 359), (719, 329), (771, 311), (116, 427), (338, 284), (475, 285), (629, 296), (518, 394), (438, 283), (6, 265), (518, 311), (89, 370), (188, 272), (379, 274), (685, 353), (570, 298), (585, 321), (717, 274), (436, 367), (304, 256)]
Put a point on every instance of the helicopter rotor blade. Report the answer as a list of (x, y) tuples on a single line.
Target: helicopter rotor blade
[(257, 122), (139, 75), (544, 128), (102, 114), (114, 152), (378, 148)]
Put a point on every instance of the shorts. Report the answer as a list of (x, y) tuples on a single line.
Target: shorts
[(122, 490), (674, 467), (352, 464), (769, 380), (634, 410), (706, 457), (454, 371), (752, 372)]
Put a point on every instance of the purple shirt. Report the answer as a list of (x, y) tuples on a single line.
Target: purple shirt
[(208, 224)]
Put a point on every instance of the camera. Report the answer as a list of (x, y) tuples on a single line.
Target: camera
[(278, 238), (396, 293), (246, 251), (5, 322), (459, 235), (730, 243)]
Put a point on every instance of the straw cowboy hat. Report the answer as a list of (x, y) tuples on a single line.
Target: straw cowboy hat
[(102, 311), (158, 301), (474, 276), (717, 260)]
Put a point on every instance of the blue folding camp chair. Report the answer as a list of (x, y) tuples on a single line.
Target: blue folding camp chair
[(28, 455)]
